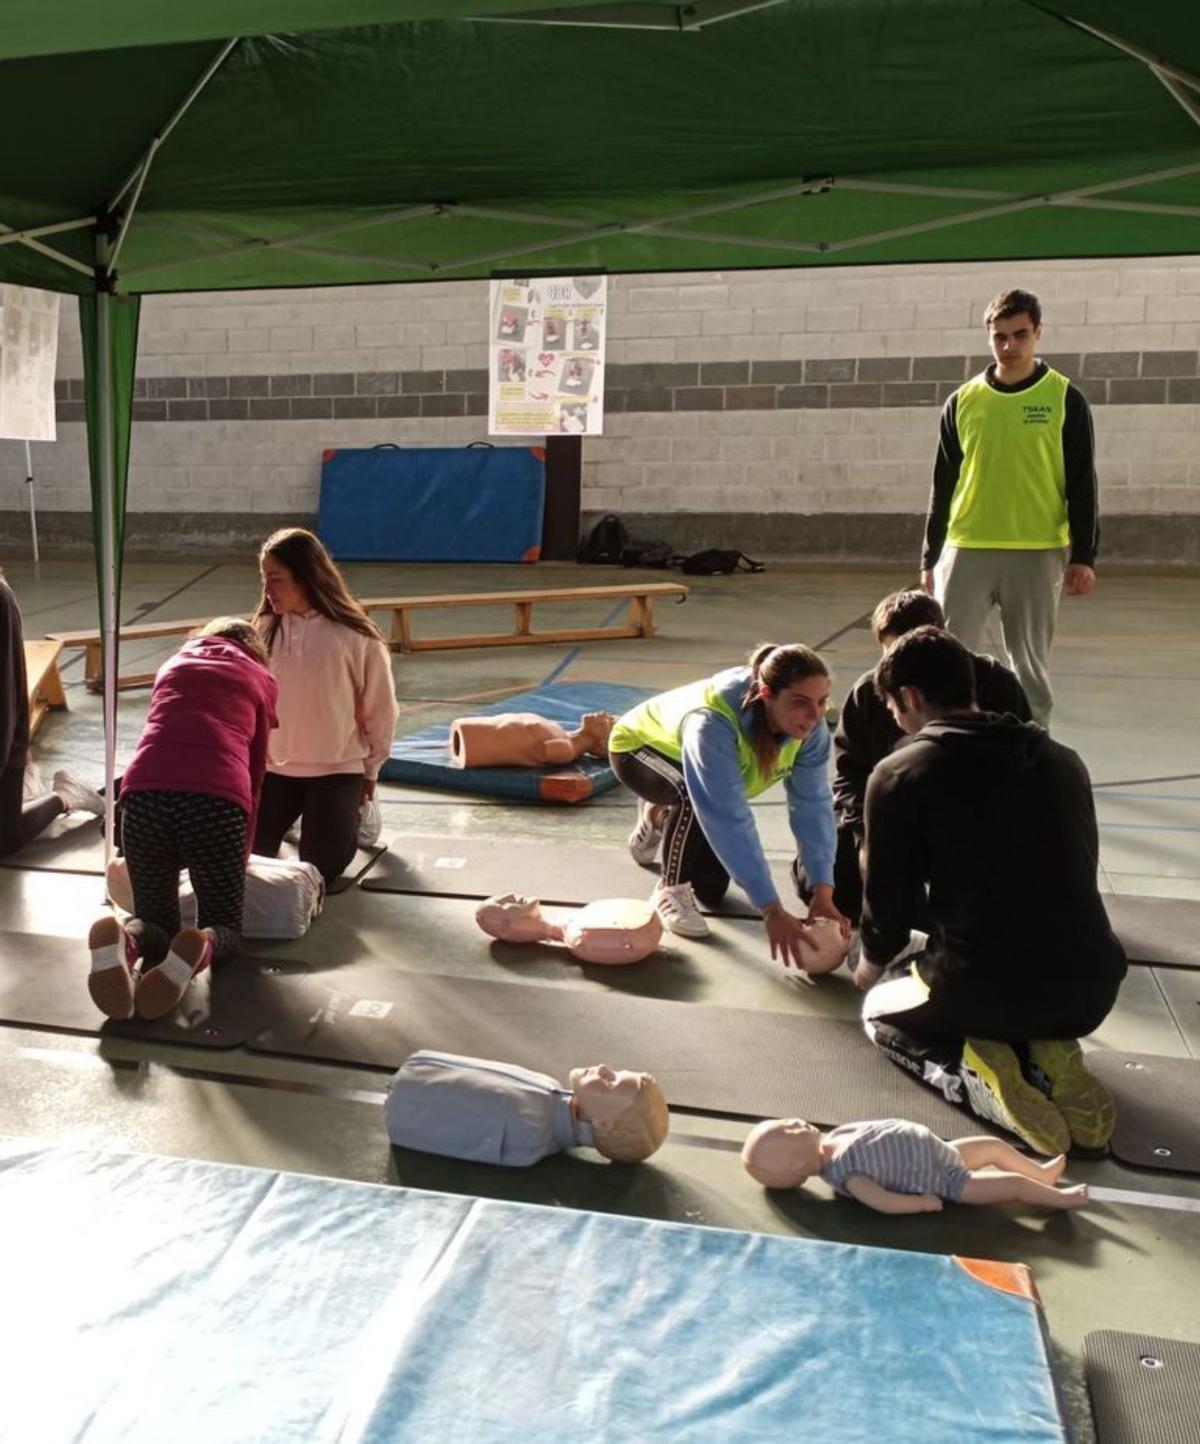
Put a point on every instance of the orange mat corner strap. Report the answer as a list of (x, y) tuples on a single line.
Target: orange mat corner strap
[(564, 787), (1005, 1278)]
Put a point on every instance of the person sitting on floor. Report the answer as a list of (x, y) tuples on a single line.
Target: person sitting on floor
[(697, 755), (866, 733), (20, 820), (188, 800), (998, 821)]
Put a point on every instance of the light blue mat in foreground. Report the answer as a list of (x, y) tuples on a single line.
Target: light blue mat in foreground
[(423, 757), (153, 1299)]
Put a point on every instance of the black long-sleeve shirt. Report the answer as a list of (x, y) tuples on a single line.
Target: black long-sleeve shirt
[(14, 695), (998, 820), (1079, 463), (866, 732)]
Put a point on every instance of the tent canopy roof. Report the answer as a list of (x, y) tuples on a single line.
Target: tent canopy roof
[(807, 132)]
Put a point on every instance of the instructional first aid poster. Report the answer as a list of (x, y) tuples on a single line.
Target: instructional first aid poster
[(28, 356), (546, 356)]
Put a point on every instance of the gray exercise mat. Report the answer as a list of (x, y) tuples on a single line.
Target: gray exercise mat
[(1182, 991), (707, 1059), (1144, 1390), (43, 984), (360, 864), (1158, 1108), (78, 848), (1157, 930), (563, 876)]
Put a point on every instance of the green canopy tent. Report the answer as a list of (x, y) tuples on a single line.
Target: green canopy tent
[(267, 143)]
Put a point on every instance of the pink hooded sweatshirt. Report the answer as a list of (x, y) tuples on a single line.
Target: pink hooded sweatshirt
[(337, 699), (208, 728)]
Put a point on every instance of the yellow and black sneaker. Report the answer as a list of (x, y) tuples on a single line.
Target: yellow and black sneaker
[(1057, 1069), (998, 1092)]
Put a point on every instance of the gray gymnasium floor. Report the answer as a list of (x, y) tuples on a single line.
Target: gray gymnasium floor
[(1127, 678)]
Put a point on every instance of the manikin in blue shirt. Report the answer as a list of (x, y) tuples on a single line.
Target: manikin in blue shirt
[(491, 1112)]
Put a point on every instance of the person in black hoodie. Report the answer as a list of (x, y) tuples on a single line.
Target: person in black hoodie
[(1020, 961), (866, 733), (22, 820)]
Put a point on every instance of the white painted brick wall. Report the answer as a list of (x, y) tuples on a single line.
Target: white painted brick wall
[(800, 461)]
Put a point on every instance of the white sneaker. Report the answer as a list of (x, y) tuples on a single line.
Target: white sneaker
[(646, 838), (77, 796), (676, 906)]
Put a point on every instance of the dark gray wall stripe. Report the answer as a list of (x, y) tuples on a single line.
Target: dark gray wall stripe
[(1114, 378)]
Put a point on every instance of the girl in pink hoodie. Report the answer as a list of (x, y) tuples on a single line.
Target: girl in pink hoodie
[(337, 703), (188, 800)]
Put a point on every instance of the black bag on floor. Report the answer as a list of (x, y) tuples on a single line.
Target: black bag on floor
[(605, 542), (715, 562), (648, 554)]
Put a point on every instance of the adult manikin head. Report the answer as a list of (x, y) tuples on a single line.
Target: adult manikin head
[(627, 1111), (782, 1152)]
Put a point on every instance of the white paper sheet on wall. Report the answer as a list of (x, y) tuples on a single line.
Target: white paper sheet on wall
[(546, 356), (28, 357)]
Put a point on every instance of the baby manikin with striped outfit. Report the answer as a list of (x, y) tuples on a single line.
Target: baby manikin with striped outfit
[(895, 1166)]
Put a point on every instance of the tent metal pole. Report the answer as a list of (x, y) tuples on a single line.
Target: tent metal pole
[(43, 249), (1178, 92), (108, 545), (33, 533), (176, 116), (678, 18), (762, 243), (648, 223), (29, 233), (284, 243), (1147, 57)]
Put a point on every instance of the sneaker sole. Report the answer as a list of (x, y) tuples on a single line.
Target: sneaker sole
[(645, 855), (1007, 1099), (1081, 1099), (160, 989), (111, 989)]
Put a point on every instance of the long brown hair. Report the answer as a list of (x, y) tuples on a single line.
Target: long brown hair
[(313, 568), (775, 667)]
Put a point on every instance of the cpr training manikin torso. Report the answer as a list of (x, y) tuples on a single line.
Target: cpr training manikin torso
[(610, 932)]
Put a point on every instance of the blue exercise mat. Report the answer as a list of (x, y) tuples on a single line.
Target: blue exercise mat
[(423, 757), (164, 1299), (433, 503)]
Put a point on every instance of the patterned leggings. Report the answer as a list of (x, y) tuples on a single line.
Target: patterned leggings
[(163, 832)]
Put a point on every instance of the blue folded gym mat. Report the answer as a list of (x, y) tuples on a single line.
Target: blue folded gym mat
[(424, 757), (278, 1307), (433, 503)]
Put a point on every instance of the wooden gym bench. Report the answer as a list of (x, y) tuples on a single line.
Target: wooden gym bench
[(45, 685), (90, 643), (640, 623)]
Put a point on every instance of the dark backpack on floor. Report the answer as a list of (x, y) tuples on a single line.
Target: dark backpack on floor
[(605, 542), (649, 554), (715, 562)]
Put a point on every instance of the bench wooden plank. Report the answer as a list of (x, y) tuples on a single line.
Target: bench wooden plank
[(534, 594), (641, 597), (43, 679)]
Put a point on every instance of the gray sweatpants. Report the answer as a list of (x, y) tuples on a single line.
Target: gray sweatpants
[(1025, 586)]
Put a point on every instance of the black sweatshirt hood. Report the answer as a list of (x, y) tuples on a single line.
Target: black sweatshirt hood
[(998, 742)]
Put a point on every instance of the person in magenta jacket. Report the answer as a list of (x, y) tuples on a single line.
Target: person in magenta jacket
[(189, 799)]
